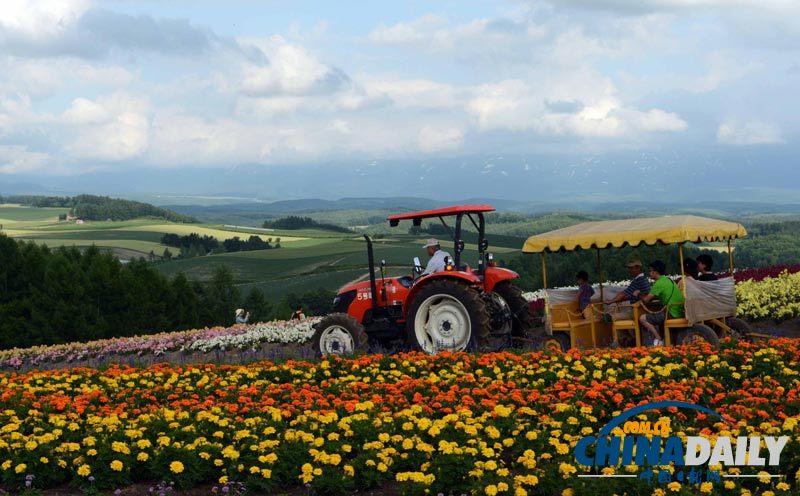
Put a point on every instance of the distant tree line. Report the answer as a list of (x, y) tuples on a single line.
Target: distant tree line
[(294, 222), (91, 207), (769, 243), (192, 245), (64, 295)]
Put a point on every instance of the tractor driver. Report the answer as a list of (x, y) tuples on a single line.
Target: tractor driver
[(436, 263)]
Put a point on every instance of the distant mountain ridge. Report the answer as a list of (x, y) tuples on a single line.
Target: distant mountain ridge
[(402, 204)]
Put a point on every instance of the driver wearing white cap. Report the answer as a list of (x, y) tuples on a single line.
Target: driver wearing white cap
[(436, 263)]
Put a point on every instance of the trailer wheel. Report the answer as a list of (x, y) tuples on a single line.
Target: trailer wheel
[(696, 333), (339, 334), (447, 316), (559, 342)]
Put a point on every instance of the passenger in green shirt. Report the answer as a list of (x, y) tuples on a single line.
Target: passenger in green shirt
[(669, 294)]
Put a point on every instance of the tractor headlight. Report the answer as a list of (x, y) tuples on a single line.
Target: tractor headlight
[(490, 257)]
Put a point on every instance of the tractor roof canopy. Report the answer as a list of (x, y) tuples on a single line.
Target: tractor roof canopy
[(633, 232), (439, 212)]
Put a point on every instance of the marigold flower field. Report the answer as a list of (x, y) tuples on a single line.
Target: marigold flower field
[(501, 423)]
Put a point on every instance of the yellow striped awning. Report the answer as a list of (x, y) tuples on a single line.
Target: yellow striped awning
[(633, 232)]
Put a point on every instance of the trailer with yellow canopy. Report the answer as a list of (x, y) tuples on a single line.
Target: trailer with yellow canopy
[(710, 306)]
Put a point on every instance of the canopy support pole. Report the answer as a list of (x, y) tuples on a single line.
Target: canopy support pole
[(730, 258), (600, 279), (544, 272), (683, 272)]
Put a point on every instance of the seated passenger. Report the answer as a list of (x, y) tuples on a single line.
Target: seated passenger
[(704, 264), (585, 293), (667, 292), (638, 283), (690, 268)]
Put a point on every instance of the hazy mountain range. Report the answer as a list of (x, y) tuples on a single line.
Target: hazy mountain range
[(725, 175)]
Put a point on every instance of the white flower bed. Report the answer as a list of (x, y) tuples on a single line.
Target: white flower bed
[(288, 331)]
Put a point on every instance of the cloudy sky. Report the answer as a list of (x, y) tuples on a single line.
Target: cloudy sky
[(103, 85)]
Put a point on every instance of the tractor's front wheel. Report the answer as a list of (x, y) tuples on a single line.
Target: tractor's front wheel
[(339, 334), (447, 316)]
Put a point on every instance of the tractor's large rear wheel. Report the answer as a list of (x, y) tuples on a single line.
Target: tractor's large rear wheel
[(523, 320), (339, 334), (447, 316)]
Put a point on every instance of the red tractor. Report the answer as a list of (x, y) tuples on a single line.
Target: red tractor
[(458, 309)]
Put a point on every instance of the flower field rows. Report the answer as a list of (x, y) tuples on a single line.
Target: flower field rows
[(454, 423), (204, 340), (776, 297)]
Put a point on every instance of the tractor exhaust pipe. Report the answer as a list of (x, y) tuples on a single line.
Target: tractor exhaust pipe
[(373, 287)]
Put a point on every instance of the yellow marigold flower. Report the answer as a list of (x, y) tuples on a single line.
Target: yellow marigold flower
[(764, 477), (223, 479), (767, 493), (674, 486), (142, 457), (116, 465), (502, 487), (349, 470), (6, 465), (44, 460), (254, 470), (566, 469), (658, 492), (782, 486), (706, 487), (567, 492), (176, 467), (490, 490), (520, 492), (21, 468), (729, 484), (84, 470), (143, 443), (31, 445)]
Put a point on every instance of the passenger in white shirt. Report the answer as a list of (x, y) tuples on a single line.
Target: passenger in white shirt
[(436, 263)]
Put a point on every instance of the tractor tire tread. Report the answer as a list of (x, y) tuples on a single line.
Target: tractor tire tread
[(469, 297)]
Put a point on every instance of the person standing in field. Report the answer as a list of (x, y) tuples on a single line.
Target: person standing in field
[(298, 313), (242, 316)]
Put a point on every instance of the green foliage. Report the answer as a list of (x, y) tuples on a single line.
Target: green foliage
[(256, 303), (769, 243), (294, 222), (316, 302), (65, 295), (92, 207)]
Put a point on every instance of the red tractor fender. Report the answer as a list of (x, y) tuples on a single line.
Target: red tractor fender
[(494, 275), (465, 277)]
